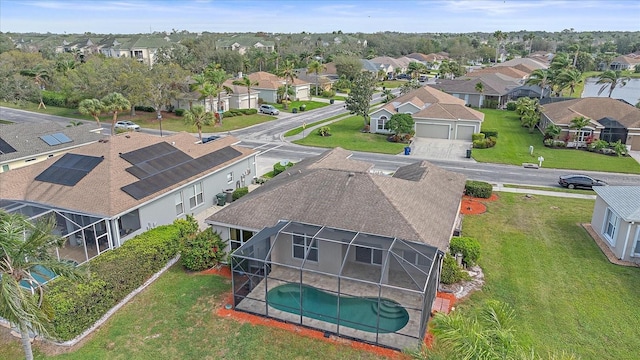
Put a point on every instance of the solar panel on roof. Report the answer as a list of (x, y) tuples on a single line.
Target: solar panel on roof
[(149, 152), (62, 138), (50, 140), (69, 169), (5, 148)]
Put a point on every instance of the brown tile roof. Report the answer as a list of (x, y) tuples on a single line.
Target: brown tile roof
[(525, 64), (422, 96), (100, 191), (269, 81), (494, 84), (595, 108), (335, 191), (505, 70), (450, 112)]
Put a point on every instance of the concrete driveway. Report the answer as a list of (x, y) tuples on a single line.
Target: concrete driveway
[(440, 149)]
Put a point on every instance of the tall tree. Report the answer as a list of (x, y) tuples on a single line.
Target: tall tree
[(40, 76), (575, 48), (246, 82), (359, 99), (540, 77), (401, 124), (499, 36), (198, 117), (165, 83), (348, 66), (611, 79), (26, 249), (114, 102), (316, 67), (204, 88), (569, 79), (217, 77), (480, 90), (288, 73), (91, 107)]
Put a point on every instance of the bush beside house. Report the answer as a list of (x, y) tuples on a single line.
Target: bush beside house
[(479, 189)]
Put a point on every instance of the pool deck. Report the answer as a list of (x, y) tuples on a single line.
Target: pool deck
[(407, 337)]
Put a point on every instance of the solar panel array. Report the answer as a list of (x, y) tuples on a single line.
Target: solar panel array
[(69, 169), (5, 148), (55, 139), (161, 165)]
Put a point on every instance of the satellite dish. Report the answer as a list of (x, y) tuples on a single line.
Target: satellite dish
[(284, 162)]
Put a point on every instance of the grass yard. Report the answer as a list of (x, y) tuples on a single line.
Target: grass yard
[(299, 129), (566, 294), (391, 84), (347, 134), (175, 319), (513, 148), (310, 105), (552, 189)]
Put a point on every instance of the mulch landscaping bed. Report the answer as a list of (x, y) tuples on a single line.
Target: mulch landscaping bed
[(474, 206)]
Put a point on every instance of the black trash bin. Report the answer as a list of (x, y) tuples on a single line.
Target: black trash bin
[(221, 199), (468, 153), (407, 150)]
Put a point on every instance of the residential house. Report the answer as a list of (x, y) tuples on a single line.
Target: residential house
[(616, 220), (23, 144), (496, 88), (610, 120), (330, 227), (436, 115), (268, 85), (106, 192), (524, 64), (504, 70), (242, 44), (240, 97), (624, 62)]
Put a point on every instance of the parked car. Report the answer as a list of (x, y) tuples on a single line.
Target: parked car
[(579, 181), (209, 138), (269, 109), (403, 76), (127, 125)]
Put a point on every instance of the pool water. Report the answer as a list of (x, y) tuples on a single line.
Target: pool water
[(355, 312), (41, 274)]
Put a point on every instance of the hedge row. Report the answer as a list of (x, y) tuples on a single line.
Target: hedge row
[(479, 189), (113, 275), (239, 112), (278, 168)]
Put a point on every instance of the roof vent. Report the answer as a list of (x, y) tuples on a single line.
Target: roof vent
[(351, 174), (128, 136)]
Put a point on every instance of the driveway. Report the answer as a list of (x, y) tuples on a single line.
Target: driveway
[(440, 149)]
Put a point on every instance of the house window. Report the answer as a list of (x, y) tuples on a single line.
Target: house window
[(637, 246), (179, 204), (611, 221), (582, 135), (238, 237), (415, 258), (382, 122), (197, 199), (5, 168), (302, 244), (230, 177), (368, 255)]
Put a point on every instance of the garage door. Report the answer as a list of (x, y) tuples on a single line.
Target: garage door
[(464, 132), (432, 131)]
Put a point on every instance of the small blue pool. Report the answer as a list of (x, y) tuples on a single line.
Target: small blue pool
[(363, 313), (43, 275)]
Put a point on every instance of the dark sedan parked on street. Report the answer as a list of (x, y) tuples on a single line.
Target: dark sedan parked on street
[(579, 181)]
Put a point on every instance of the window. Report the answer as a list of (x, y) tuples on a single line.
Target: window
[(415, 258), (382, 122), (368, 255), (239, 237), (302, 244), (5, 168), (582, 135), (637, 246), (179, 204), (197, 199), (611, 221), (230, 177)]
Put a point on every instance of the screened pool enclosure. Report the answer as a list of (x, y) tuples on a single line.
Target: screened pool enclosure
[(363, 286)]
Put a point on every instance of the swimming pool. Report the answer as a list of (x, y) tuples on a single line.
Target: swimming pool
[(41, 274), (355, 312)]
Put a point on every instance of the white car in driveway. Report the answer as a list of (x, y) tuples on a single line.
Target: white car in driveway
[(269, 109), (127, 125)]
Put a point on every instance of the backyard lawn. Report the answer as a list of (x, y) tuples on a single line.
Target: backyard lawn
[(566, 294), (310, 105), (175, 319), (514, 141), (347, 134)]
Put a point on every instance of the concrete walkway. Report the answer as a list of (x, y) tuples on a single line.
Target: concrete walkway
[(499, 187)]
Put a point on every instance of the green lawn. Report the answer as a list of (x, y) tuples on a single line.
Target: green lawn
[(514, 141), (174, 319), (566, 294), (391, 84), (299, 129), (347, 134), (296, 104), (553, 189)]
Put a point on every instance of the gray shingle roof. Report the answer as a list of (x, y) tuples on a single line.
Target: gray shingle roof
[(332, 190), (624, 200)]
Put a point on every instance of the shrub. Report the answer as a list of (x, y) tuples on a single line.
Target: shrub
[(511, 106), (479, 189), (451, 272), (328, 93), (490, 104), (114, 274), (144, 108), (598, 145), (468, 247), (240, 192), (324, 131), (228, 114), (202, 251), (477, 136), (180, 112), (278, 168), (485, 143), (53, 98), (249, 111), (490, 133)]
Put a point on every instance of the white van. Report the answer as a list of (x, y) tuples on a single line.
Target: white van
[(423, 78)]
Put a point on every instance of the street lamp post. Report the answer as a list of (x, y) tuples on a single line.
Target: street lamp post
[(160, 120)]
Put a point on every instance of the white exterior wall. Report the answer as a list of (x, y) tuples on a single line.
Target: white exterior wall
[(625, 232), (302, 92)]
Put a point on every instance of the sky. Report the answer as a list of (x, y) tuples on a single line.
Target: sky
[(295, 16)]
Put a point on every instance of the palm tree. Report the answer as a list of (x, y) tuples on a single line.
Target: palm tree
[(199, 117), (611, 79), (552, 131), (260, 58), (25, 249), (578, 123), (217, 77), (388, 95), (569, 79), (91, 107), (575, 48), (480, 90), (540, 77), (316, 67), (41, 76), (248, 84), (499, 35), (204, 88), (288, 73), (115, 102)]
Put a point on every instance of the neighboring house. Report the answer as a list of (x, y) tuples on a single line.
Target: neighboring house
[(242, 44), (624, 62), (268, 85), (29, 143), (616, 219), (496, 87), (347, 231), (524, 64), (325, 81), (504, 70), (140, 47), (239, 98), (436, 115), (610, 120), (104, 193)]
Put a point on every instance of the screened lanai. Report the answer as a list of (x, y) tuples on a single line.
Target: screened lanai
[(86, 236), (368, 287)]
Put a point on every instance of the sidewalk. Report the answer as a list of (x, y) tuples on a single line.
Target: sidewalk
[(499, 187)]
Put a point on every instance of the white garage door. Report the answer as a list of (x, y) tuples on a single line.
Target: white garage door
[(464, 132), (433, 131)]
